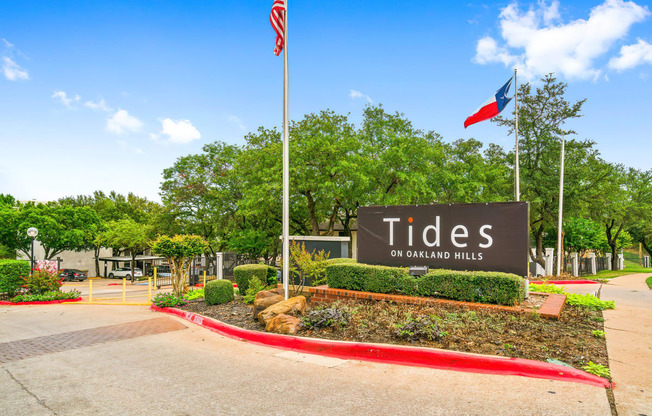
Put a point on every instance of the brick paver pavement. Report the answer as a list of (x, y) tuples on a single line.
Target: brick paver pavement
[(26, 348)]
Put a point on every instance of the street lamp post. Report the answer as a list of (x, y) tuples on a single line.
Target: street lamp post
[(32, 232)]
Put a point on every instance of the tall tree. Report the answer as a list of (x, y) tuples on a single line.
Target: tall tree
[(126, 234), (542, 118)]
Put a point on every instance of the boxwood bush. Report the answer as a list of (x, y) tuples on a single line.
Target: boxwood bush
[(244, 273), (482, 287), (11, 275), (217, 292)]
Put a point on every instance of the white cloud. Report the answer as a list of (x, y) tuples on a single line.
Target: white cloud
[(536, 45), (632, 55), (13, 71), (100, 105), (121, 122), (65, 100), (7, 43), (237, 121), (179, 131), (357, 94)]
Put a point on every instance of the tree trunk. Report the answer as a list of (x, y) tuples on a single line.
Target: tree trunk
[(97, 261), (538, 239), (332, 219), (612, 242), (314, 224)]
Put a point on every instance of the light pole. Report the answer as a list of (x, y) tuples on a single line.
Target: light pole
[(32, 232)]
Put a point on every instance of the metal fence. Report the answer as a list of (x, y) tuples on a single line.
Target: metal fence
[(202, 266)]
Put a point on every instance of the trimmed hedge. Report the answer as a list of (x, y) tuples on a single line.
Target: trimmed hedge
[(11, 275), (244, 273), (217, 292), (365, 277), (481, 287), (339, 260)]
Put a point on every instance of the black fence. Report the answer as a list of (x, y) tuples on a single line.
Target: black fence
[(202, 266)]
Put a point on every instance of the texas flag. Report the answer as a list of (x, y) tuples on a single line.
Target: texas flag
[(492, 107)]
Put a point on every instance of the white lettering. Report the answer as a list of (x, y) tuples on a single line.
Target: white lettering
[(436, 229), (391, 222), (479, 256), (490, 240), (410, 236), (393, 253), (455, 235)]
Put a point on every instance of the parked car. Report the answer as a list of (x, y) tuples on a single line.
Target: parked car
[(68, 275), (161, 271), (125, 272)]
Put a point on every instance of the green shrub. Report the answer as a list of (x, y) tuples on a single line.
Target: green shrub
[(244, 273), (483, 287), (11, 275), (255, 286), (217, 292), (55, 295), (340, 260), (325, 317), (195, 294), (365, 277), (169, 300), (42, 281), (587, 301)]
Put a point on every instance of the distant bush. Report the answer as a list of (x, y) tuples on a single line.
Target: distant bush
[(244, 273), (482, 287), (217, 292), (11, 275), (195, 294)]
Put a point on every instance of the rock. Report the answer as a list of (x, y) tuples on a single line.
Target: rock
[(293, 306), (265, 299), (283, 324)]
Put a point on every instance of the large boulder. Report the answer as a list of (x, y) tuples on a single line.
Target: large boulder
[(283, 324), (265, 299), (293, 306)]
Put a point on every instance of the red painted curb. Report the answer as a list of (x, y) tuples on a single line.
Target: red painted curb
[(113, 284), (565, 282), (41, 302), (397, 354)]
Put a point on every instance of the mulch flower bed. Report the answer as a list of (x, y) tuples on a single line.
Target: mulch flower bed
[(569, 339)]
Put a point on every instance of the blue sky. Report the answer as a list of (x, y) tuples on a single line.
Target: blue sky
[(105, 95)]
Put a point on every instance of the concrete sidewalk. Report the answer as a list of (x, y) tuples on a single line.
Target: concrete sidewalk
[(629, 342), (194, 371)]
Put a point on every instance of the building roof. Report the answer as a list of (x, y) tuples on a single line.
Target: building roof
[(128, 258)]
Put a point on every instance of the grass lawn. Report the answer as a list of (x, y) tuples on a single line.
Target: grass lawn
[(609, 274), (649, 282)]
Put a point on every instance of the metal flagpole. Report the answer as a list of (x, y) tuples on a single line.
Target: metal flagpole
[(286, 161), (517, 187), (561, 204)]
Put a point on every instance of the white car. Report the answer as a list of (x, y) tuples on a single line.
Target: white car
[(125, 272)]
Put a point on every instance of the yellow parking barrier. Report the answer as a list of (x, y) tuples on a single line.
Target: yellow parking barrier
[(204, 278), (149, 288), (155, 276), (124, 288), (90, 290)]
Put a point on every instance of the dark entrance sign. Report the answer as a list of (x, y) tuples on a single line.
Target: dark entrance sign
[(489, 237)]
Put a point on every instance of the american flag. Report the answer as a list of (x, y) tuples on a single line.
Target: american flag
[(276, 17)]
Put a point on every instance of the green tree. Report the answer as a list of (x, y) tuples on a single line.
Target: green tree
[(126, 234), (60, 227), (542, 118), (201, 192), (179, 251), (115, 207)]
